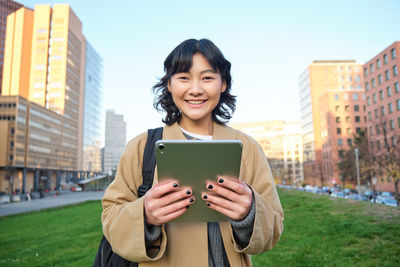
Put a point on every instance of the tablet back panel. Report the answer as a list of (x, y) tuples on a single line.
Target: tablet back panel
[(195, 162)]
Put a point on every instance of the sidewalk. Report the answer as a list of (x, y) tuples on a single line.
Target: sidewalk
[(63, 199)]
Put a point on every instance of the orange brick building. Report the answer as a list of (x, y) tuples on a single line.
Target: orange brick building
[(382, 85)]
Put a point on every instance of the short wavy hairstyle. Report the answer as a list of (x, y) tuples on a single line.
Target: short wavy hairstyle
[(180, 60)]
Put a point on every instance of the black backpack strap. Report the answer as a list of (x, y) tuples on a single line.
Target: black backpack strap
[(149, 160)]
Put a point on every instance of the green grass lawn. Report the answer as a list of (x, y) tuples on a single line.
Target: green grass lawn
[(319, 231)]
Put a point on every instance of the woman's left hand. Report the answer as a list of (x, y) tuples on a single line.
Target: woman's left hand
[(229, 196)]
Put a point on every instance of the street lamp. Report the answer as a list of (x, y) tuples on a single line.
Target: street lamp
[(358, 172)]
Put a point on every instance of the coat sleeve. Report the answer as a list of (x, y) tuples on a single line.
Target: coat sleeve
[(268, 223), (123, 213)]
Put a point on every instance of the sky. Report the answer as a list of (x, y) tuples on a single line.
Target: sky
[(269, 43)]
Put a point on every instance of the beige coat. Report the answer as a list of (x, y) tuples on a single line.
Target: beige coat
[(185, 244)]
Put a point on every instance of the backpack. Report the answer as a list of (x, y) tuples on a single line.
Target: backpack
[(105, 257)]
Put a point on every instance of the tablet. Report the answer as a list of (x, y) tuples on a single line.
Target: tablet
[(192, 163)]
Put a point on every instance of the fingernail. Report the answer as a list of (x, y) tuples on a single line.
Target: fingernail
[(210, 186), (205, 196), (188, 192), (192, 200), (175, 185), (220, 180), (208, 204)]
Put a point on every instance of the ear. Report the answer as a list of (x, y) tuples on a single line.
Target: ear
[(223, 88)]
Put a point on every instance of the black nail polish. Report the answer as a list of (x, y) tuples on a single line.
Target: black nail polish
[(192, 200), (210, 186), (220, 180), (175, 185), (187, 207), (208, 204), (205, 196), (188, 192)]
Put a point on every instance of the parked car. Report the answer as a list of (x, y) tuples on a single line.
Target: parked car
[(338, 193), (309, 188), (76, 189), (386, 198)]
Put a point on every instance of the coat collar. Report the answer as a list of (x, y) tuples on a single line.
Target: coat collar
[(220, 132)]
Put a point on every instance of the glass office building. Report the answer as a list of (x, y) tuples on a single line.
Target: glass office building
[(93, 110)]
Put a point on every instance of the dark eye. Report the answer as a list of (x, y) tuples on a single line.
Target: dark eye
[(184, 78), (208, 78)]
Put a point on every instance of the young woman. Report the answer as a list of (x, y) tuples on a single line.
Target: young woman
[(195, 94)]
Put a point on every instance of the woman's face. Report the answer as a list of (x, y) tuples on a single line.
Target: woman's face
[(197, 92)]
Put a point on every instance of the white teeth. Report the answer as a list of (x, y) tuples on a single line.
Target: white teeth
[(195, 102)]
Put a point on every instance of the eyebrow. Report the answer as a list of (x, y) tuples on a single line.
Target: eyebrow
[(209, 70)]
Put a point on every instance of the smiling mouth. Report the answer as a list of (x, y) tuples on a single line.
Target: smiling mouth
[(196, 102)]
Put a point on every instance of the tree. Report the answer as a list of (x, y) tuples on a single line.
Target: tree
[(387, 160)]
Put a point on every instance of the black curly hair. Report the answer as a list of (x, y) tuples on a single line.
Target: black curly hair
[(180, 60)]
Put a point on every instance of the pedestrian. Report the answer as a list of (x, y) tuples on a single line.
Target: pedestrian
[(195, 93)]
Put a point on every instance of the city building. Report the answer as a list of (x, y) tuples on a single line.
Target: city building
[(6, 7), (47, 64), (35, 151), (382, 81), (281, 142), (93, 111), (321, 77), (115, 140), (343, 114)]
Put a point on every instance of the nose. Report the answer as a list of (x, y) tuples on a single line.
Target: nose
[(195, 88)]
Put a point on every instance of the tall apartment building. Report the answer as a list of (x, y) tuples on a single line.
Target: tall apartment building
[(115, 140), (382, 79), (6, 7), (343, 114), (317, 80), (281, 142), (45, 63), (93, 110)]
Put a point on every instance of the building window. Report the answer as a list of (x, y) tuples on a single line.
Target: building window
[(369, 116), (368, 101), (385, 59), (358, 130), (336, 97), (338, 130), (348, 130), (374, 98), (341, 153), (346, 96), (395, 71), (393, 53), (373, 83), (378, 63), (381, 95), (392, 126), (349, 142), (367, 86), (338, 119), (378, 144), (346, 107), (390, 108), (377, 129), (388, 91), (356, 108), (370, 130), (393, 138), (382, 111), (398, 122), (398, 104), (348, 119), (387, 75), (337, 108), (376, 113), (371, 67), (340, 142), (357, 118), (355, 96), (365, 72), (396, 87), (379, 79)]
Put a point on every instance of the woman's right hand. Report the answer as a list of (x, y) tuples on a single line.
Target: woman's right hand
[(166, 201)]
